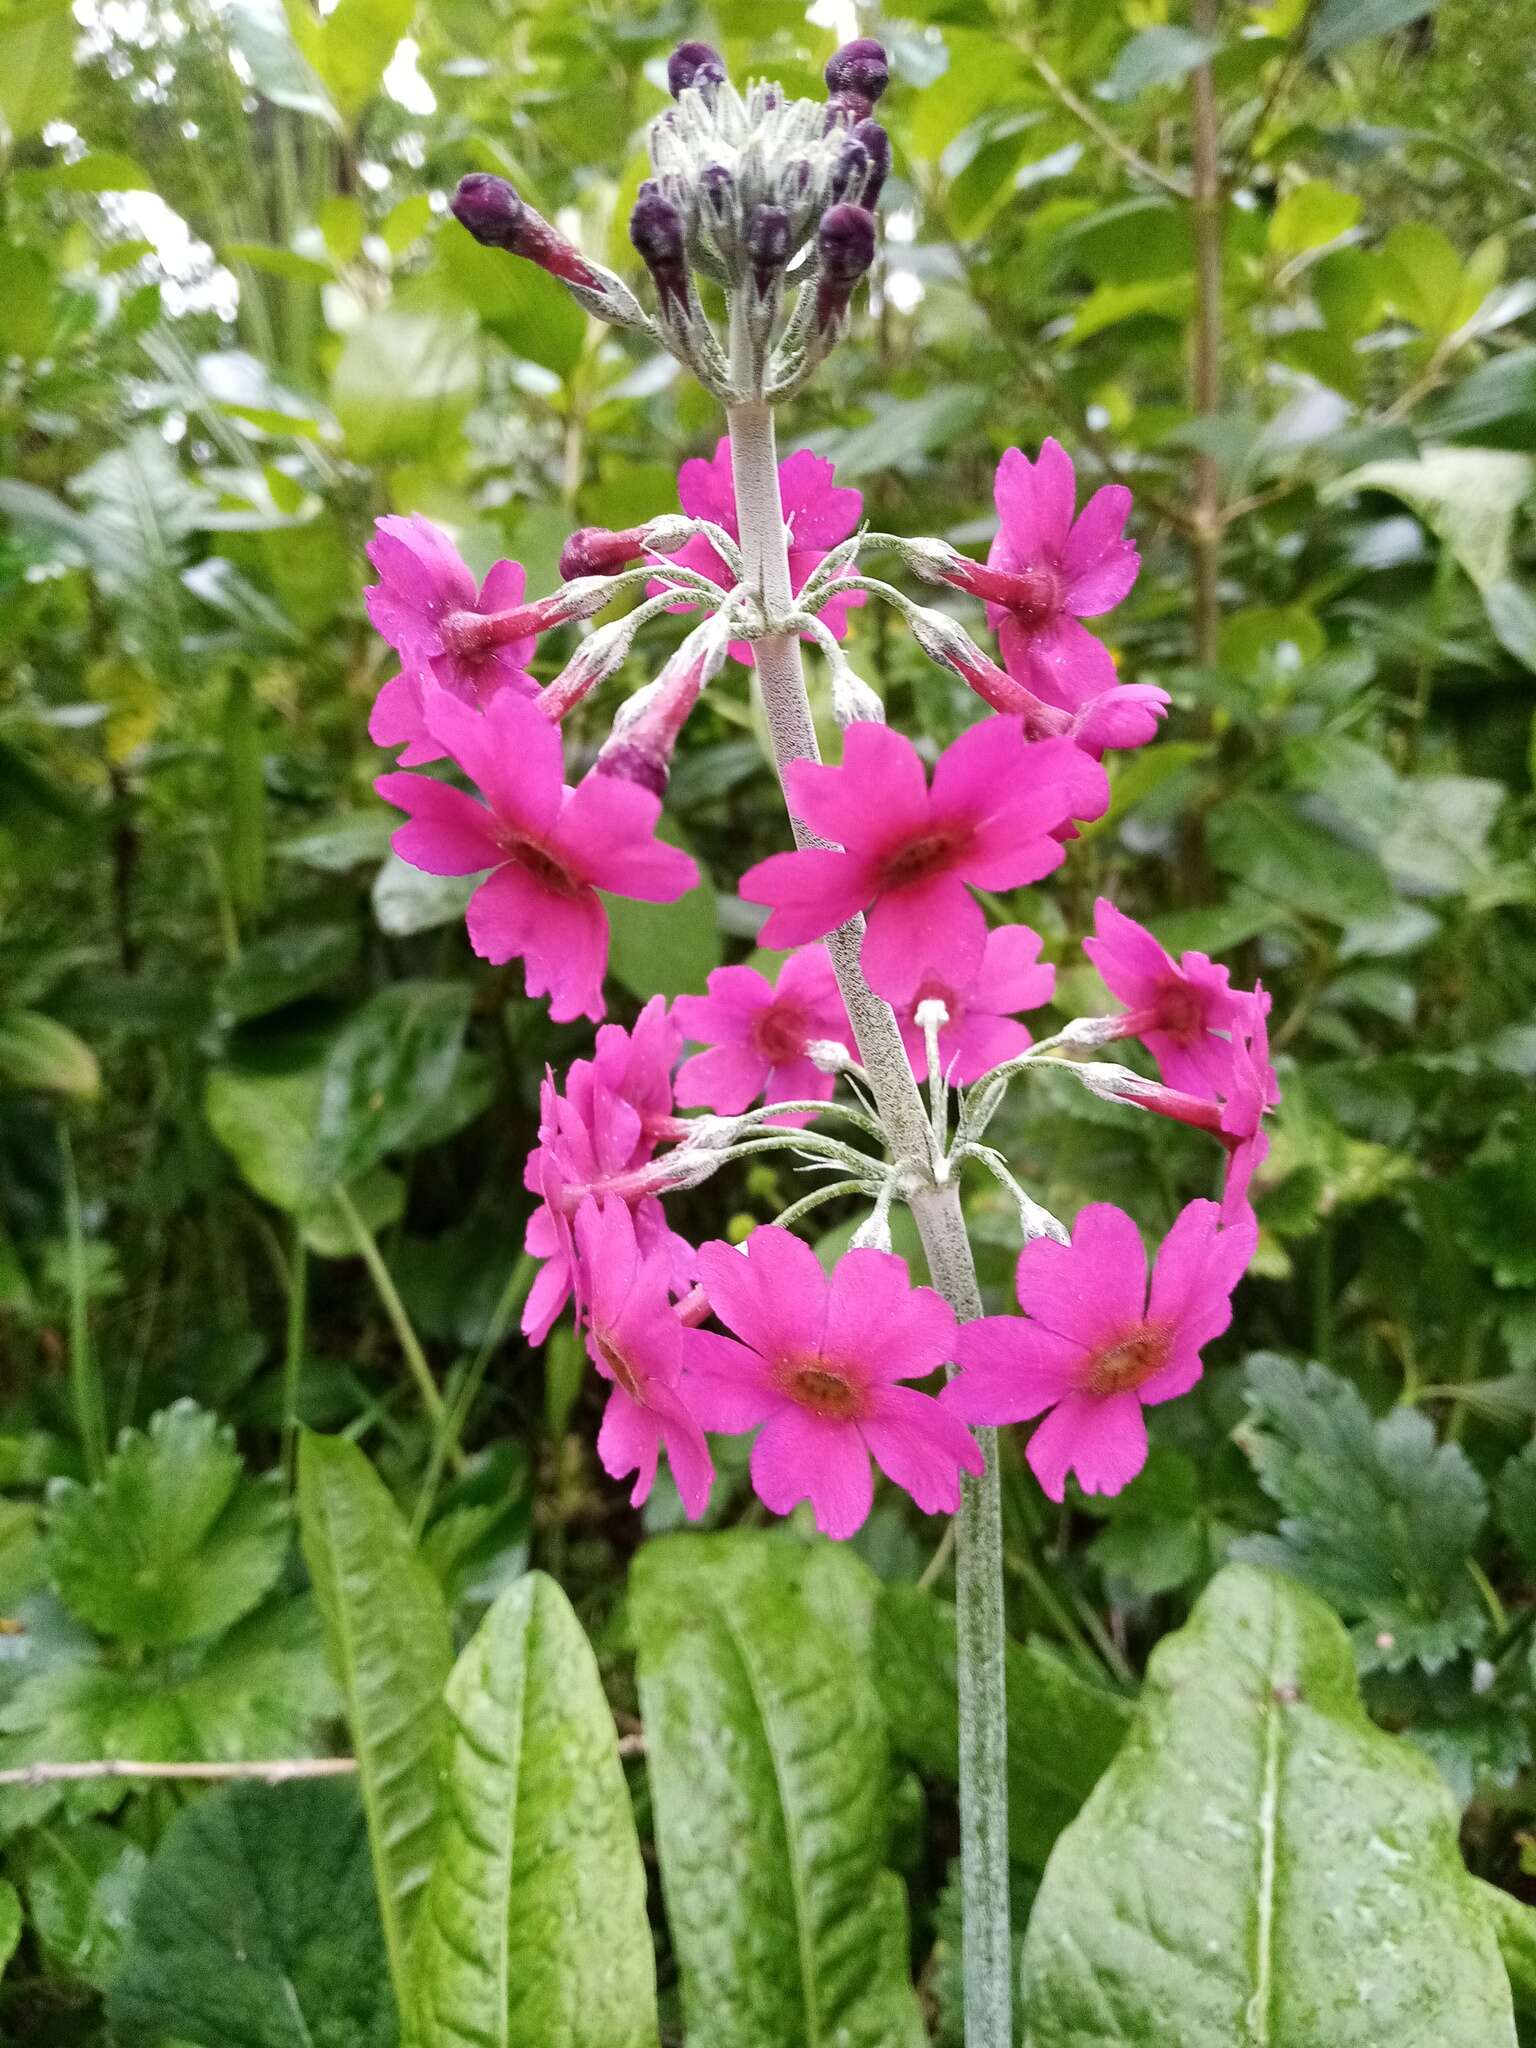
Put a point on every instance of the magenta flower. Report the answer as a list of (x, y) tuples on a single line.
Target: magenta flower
[(1176, 1008), (1097, 1348), (471, 641), (757, 1033), (818, 1367), (550, 848), (817, 512), (910, 850), (637, 1343), (1050, 572), (1251, 1089), (982, 1030)]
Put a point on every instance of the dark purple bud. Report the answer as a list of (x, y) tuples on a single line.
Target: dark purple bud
[(767, 245), (656, 229), (492, 212), (850, 172), (877, 147), (845, 244), (798, 179), (694, 64), (718, 188), (859, 66), (846, 110)]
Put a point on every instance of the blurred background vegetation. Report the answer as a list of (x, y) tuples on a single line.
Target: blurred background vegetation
[(263, 1117)]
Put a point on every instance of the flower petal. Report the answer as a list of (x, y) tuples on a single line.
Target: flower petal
[(921, 1446), (448, 832), (1103, 1440), (1010, 1370), (772, 1292), (879, 1324), (799, 1456), (933, 930)]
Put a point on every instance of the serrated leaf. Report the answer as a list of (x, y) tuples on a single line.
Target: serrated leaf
[(1376, 1516), (391, 1649), (1062, 1731), (257, 1928), (534, 1930), (768, 1762), (174, 1542), (1260, 1865)]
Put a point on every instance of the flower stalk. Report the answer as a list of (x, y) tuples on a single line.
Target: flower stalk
[(935, 1206)]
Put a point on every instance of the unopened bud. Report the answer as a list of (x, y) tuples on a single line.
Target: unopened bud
[(597, 658), (846, 110), (767, 239), (845, 245), (828, 1057), (850, 173), (595, 551), (667, 532), (853, 701), (694, 64), (717, 189), (876, 145), (490, 209), (860, 66), (656, 229)]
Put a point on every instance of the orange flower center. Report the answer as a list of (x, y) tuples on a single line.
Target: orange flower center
[(539, 863), (920, 859), (1130, 1363), (822, 1388), (623, 1372)]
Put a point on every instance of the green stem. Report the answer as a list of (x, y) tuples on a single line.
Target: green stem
[(446, 1447), (293, 1349), (84, 1374), (389, 1295)]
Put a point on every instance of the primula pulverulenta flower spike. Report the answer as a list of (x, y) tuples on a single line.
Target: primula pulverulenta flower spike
[(635, 1340), (758, 1035), (694, 64), (818, 513), (549, 848), (491, 210), (1180, 1010), (983, 1029), (845, 248), (1097, 1347), (1058, 571), (910, 853), (819, 1365), (860, 66)]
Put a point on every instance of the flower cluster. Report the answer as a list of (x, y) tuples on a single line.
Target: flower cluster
[(899, 860)]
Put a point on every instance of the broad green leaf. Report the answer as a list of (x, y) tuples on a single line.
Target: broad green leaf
[(530, 312), (1269, 844), (26, 302), (903, 431), (1514, 1927), (81, 1885), (667, 949), (1438, 844), (1157, 56), (1495, 407), (1309, 216), (386, 1075), (350, 47), (259, 31), (408, 900), (1260, 1865), (769, 1770), (1467, 496), (99, 170), (534, 1931), (391, 1648), (1062, 1731), (36, 1052), (1340, 22), (174, 1542), (257, 1928), (403, 382), (10, 1922), (1376, 1516), (279, 970), (37, 59), (266, 1121)]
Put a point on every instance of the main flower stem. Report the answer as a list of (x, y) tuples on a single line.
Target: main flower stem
[(935, 1206)]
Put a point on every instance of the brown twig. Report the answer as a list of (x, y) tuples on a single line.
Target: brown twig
[(1099, 128), (269, 1771)]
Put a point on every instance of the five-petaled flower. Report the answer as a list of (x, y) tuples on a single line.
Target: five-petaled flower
[(1182, 1011), (1050, 572), (550, 847), (817, 512), (909, 851), (1098, 1347), (817, 1371), (983, 1029), (757, 1033), (637, 1342), (446, 630)]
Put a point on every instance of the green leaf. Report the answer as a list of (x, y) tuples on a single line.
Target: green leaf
[(390, 1645), (530, 312), (257, 1928), (408, 900), (1494, 407), (1271, 845), (174, 1542), (259, 31), (1467, 496), (403, 382), (279, 970), (100, 170), (81, 1885), (1061, 1730), (534, 1933), (141, 514), (1377, 1517), (10, 1922), (1260, 1865), (1515, 1494), (1310, 216), (904, 431), (1158, 56), (350, 47), (35, 1052), (386, 1076), (1514, 1927), (1340, 22), (1438, 844), (767, 1755), (667, 949), (37, 61)]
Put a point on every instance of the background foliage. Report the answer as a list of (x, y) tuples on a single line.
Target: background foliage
[(262, 1117)]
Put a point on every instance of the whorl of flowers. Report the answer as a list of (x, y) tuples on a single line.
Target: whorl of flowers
[(765, 196)]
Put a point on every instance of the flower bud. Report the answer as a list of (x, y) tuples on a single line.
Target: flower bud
[(717, 189), (846, 110), (694, 64), (767, 240), (876, 145), (850, 173), (845, 245), (656, 229), (859, 66), (595, 551), (493, 213)]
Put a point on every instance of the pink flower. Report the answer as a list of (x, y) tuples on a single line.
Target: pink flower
[(981, 1032), (1175, 1008), (637, 1343), (817, 512), (472, 642), (757, 1032), (818, 1367), (1251, 1089), (1055, 572), (988, 820), (550, 848), (1097, 1349)]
